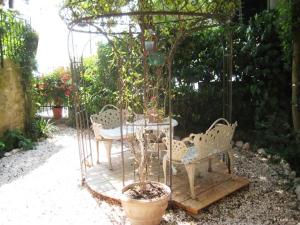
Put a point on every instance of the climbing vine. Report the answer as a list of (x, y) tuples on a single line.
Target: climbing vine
[(18, 42)]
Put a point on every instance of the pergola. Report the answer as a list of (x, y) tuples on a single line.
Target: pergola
[(154, 30)]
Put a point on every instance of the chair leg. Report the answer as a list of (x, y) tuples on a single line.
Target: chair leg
[(190, 169), (97, 147), (165, 167), (209, 165), (230, 160), (108, 144)]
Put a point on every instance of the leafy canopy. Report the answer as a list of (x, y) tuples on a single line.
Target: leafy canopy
[(108, 13)]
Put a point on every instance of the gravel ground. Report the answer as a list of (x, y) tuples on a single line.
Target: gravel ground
[(42, 186)]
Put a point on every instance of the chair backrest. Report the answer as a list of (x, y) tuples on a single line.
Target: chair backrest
[(216, 139), (179, 148), (109, 117)]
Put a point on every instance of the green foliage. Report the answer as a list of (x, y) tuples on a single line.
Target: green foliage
[(98, 89), (284, 23), (261, 79), (15, 139), (197, 72), (265, 94), (101, 72), (2, 146), (42, 128), (19, 43), (195, 109), (38, 97), (263, 76), (74, 10), (261, 91), (199, 57)]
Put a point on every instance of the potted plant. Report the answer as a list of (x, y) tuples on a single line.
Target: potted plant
[(144, 202), (56, 88)]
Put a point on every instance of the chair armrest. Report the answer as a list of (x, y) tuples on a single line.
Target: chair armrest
[(179, 148), (188, 141), (108, 106)]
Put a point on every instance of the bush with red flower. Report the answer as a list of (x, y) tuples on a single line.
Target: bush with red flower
[(55, 88)]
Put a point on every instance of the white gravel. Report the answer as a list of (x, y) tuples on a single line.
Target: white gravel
[(51, 193), (42, 186)]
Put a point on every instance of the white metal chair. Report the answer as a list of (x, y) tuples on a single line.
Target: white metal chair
[(107, 118), (179, 149), (217, 139)]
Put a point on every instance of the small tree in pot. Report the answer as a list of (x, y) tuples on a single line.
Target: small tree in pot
[(145, 201)]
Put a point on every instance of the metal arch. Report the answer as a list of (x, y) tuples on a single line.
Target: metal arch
[(76, 24)]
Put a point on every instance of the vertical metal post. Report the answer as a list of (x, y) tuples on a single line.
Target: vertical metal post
[(230, 76), (81, 122), (79, 145), (170, 119), (227, 77), (89, 137), (121, 116), (122, 137), (224, 89)]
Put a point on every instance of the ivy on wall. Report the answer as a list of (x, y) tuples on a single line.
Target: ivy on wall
[(18, 42)]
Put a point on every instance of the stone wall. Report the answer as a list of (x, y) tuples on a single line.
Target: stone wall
[(12, 102)]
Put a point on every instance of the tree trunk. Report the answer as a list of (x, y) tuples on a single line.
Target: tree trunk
[(295, 80), (295, 7)]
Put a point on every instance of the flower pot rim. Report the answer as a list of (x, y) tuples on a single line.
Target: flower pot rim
[(127, 198)]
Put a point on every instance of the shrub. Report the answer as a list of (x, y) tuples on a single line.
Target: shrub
[(42, 128), (2, 146), (15, 139)]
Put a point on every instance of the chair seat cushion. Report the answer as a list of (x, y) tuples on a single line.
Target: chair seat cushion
[(115, 133), (190, 156), (193, 155)]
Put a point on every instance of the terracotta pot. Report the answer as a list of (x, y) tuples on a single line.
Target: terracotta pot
[(57, 112), (146, 212)]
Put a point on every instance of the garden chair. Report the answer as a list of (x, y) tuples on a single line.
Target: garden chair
[(217, 139), (108, 119)]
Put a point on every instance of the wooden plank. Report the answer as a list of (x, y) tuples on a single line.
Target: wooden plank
[(209, 186), (212, 195), (210, 180)]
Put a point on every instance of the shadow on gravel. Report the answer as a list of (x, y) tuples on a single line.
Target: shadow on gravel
[(21, 163)]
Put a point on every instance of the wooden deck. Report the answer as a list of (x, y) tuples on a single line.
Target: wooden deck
[(210, 186)]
